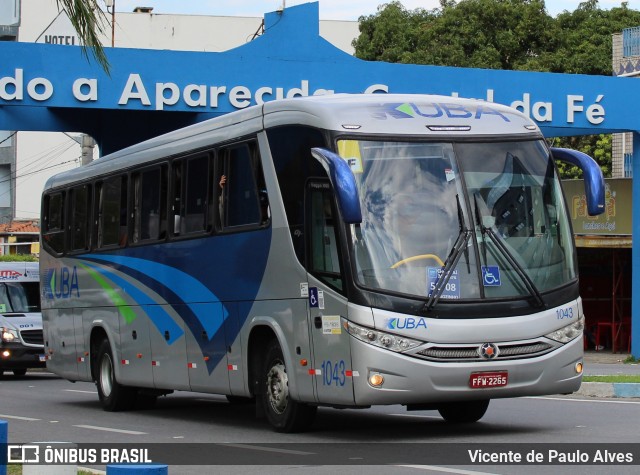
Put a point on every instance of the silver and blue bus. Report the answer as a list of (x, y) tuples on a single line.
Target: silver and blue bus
[(339, 250)]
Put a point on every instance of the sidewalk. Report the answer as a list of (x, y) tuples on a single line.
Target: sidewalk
[(607, 363), (604, 357)]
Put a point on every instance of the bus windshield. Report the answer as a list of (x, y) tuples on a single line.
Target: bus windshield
[(419, 199)]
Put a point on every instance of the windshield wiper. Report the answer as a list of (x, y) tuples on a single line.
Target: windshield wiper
[(460, 245), (528, 283)]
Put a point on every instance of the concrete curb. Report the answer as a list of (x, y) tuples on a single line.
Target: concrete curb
[(610, 390)]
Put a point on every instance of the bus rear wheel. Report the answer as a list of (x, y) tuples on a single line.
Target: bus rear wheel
[(282, 412), (463, 412), (113, 395)]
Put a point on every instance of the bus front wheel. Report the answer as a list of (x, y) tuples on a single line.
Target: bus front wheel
[(283, 413), (463, 412), (113, 396)]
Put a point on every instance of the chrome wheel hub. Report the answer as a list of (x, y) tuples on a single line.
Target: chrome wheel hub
[(278, 388), (106, 375)]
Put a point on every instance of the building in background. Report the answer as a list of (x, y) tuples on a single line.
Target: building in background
[(20, 237), (604, 246), (626, 62)]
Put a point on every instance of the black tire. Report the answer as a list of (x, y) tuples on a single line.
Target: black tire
[(282, 412), (463, 412), (113, 395), (19, 372)]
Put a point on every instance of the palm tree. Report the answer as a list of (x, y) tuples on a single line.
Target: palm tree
[(88, 20)]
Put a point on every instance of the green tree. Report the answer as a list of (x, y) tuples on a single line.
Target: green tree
[(586, 38), (392, 34), (460, 34), (88, 21)]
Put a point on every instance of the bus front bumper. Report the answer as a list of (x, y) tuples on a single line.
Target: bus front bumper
[(408, 380)]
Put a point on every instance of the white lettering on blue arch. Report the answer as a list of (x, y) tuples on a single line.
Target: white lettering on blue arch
[(434, 110)]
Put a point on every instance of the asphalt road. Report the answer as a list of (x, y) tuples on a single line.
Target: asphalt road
[(42, 407)]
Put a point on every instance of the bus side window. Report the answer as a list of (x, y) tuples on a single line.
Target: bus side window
[(324, 259), (196, 194), (150, 204), (291, 151), (239, 199), (190, 194), (53, 221), (80, 201), (112, 212)]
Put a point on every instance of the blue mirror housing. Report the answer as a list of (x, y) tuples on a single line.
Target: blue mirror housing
[(343, 182), (593, 179)]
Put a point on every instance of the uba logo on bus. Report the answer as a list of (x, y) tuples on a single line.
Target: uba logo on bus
[(406, 323), (434, 110), (61, 283)]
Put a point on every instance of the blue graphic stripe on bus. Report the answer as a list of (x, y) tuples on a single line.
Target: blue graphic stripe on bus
[(158, 316), (181, 284)]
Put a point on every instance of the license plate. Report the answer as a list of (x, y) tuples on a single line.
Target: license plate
[(494, 379), (42, 357)]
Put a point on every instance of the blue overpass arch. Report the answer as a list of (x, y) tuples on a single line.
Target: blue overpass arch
[(149, 92)]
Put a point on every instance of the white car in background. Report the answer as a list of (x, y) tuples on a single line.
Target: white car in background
[(21, 340)]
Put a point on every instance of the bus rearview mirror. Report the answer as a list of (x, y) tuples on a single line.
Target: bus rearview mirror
[(593, 178), (343, 183)]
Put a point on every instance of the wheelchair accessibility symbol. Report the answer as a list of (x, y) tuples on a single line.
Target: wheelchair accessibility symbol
[(491, 276), (313, 297)]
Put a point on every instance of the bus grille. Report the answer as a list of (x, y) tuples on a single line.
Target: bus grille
[(32, 337), (507, 351)]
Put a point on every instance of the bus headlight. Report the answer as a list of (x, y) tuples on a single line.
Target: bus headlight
[(568, 333), (385, 340), (7, 334)]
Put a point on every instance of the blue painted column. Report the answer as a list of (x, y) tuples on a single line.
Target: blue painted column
[(635, 251), (4, 433)]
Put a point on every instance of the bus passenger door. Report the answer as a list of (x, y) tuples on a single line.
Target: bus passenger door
[(327, 306)]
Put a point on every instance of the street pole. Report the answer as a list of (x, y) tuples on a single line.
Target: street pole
[(113, 24)]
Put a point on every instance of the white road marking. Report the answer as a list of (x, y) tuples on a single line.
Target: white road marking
[(446, 469), (81, 391), (19, 418), (110, 429)]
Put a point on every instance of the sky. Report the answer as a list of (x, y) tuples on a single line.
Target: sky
[(329, 9)]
